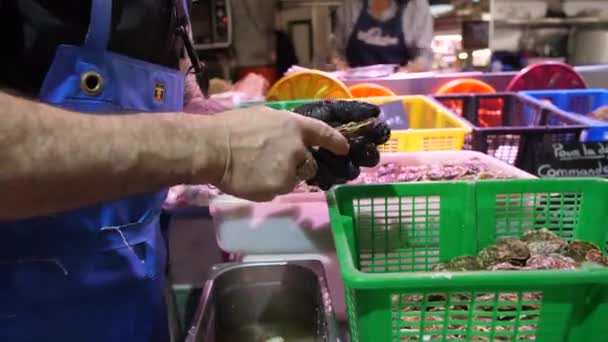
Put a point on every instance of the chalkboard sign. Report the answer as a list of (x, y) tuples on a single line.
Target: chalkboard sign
[(572, 159), (394, 115)]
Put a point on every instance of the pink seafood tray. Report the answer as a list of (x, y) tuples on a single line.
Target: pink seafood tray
[(299, 222)]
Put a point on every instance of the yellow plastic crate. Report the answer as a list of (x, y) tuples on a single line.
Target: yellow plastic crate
[(432, 126)]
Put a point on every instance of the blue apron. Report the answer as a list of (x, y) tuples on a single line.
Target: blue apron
[(377, 42), (96, 273)]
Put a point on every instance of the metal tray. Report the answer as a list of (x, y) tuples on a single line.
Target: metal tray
[(266, 301)]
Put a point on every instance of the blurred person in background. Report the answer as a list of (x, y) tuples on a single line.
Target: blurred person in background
[(284, 53), (369, 32)]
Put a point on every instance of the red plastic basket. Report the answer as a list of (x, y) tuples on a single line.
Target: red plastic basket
[(490, 114)]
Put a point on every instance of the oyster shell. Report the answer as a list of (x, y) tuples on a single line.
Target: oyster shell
[(543, 242), (435, 174), (509, 250), (577, 249), (459, 264), (546, 247), (597, 257), (542, 234), (356, 128), (446, 172), (487, 175), (475, 165), (551, 262), (506, 266)]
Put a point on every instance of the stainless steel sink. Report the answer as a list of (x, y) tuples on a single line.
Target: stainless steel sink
[(265, 302)]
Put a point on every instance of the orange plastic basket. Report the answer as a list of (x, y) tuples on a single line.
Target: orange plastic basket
[(309, 84), (363, 90)]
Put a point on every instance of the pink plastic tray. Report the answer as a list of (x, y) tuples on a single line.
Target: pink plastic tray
[(299, 223)]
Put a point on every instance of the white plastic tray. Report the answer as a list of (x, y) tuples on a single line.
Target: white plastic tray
[(299, 223)]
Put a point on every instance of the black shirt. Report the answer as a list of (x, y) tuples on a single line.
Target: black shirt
[(31, 30), (285, 52)]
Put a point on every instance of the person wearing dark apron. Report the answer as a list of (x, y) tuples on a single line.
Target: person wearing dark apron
[(371, 32), (107, 259), (377, 42)]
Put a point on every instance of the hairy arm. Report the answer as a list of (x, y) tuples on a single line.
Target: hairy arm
[(55, 160)]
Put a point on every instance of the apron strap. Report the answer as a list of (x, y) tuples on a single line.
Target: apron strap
[(184, 9), (182, 13), (100, 23), (198, 68)]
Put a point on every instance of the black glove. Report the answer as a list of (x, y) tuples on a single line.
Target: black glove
[(358, 122)]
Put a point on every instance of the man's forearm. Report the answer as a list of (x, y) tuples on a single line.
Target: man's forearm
[(55, 160)]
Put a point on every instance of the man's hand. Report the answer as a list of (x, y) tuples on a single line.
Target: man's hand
[(258, 150)]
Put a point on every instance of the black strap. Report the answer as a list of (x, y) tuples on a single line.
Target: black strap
[(198, 68), (182, 11)]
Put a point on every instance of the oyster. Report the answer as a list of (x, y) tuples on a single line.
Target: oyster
[(487, 175), (506, 266), (551, 262), (435, 174), (356, 128), (467, 177), (577, 249), (411, 174), (459, 264), (542, 234), (546, 247), (509, 250), (387, 169), (597, 257), (475, 165), (446, 171), (543, 242)]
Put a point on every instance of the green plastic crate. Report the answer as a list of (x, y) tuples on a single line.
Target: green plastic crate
[(279, 105), (388, 236)]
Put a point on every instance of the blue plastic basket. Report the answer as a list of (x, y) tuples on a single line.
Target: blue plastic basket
[(578, 103)]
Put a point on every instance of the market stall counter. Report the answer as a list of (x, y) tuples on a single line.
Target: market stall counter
[(296, 226)]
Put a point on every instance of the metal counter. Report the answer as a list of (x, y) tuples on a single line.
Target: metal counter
[(427, 83)]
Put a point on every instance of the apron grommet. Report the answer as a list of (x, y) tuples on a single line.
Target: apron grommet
[(91, 83)]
